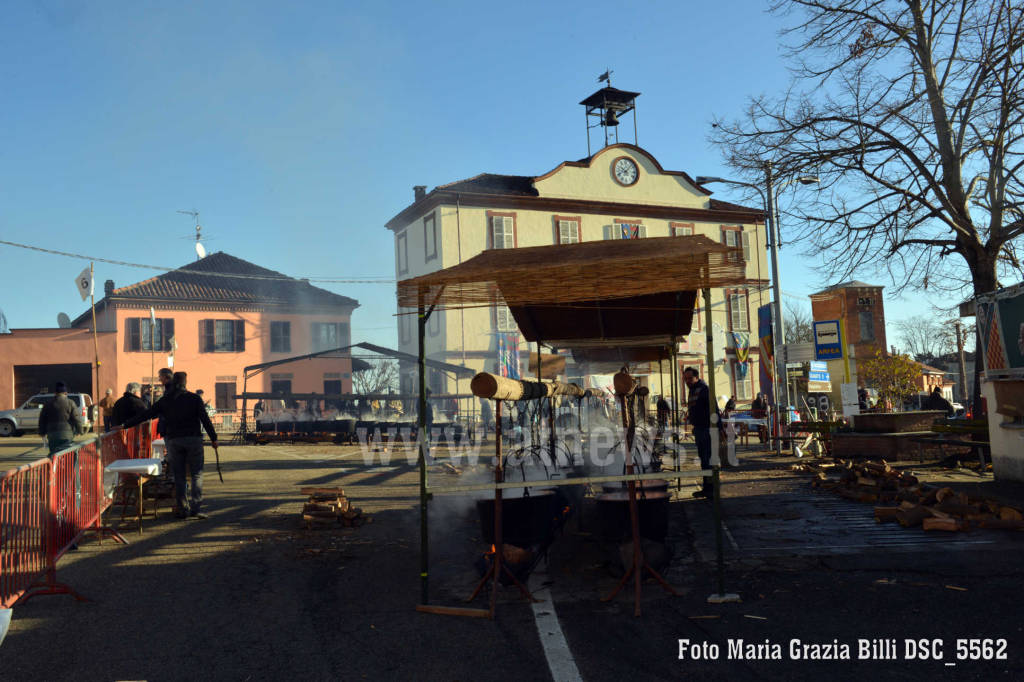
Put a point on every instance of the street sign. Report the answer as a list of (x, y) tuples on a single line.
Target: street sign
[(818, 380), (827, 344)]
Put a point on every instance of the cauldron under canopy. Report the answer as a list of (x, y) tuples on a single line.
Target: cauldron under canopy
[(652, 507), (525, 520)]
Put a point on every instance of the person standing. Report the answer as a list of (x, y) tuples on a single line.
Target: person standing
[(936, 401), (59, 420), (107, 408), (184, 417), (663, 412), (129, 405), (698, 414), (486, 415)]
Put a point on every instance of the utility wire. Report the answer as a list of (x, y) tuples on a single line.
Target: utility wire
[(278, 278)]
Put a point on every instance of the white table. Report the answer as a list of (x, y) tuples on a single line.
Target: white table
[(143, 469)]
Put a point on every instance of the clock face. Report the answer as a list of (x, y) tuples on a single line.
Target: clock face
[(625, 171)]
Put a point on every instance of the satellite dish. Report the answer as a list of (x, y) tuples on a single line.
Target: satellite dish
[(63, 321), (200, 251)]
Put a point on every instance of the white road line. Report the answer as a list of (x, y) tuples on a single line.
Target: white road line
[(728, 534), (556, 649)]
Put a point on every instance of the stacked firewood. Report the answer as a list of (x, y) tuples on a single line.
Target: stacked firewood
[(328, 506), (899, 496)]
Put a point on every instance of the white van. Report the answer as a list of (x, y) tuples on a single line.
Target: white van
[(26, 418)]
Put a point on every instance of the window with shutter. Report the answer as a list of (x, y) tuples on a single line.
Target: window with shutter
[(630, 230), (239, 340), (132, 334), (402, 252), (567, 229), (741, 385), (225, 395), (430, 237), (324, 336), (681, 229), (746, 246), (738, 312), (502, 232), (280, 337), (207, 340)]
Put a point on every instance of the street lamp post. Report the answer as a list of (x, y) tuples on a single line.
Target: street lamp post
[(772, 224)]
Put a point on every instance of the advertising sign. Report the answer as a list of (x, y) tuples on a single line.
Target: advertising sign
[(827, 345)]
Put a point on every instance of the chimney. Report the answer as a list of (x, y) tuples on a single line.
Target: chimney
[(108, 288), (419, 191)]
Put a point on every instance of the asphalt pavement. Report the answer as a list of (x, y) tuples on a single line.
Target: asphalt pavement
[(250, 594)]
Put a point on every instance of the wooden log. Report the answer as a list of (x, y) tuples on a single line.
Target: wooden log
[(453, 611), (494, 387), (1010, 514), (864, 480), (883, 514), (340, 492), (957, 508), (910, 518), (943, 493), (949, 524)]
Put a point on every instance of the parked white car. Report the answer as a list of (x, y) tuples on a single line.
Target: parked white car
[(26, 418)]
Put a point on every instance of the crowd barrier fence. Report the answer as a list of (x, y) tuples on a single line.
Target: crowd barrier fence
[(46, 507)]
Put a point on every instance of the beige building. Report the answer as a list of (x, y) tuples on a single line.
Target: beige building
[(621, 192)]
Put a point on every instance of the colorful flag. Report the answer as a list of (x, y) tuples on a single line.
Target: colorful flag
[(508, 355), (84, 283), (767, 349)]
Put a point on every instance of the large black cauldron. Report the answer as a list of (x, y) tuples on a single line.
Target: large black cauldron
[(525, 521), (613, 513)]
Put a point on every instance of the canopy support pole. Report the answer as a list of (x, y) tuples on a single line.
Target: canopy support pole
[(421, 318), (716, 463)]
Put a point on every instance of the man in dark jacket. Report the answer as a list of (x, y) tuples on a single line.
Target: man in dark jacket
[(184, 417), (699, 416), (936, 401), (129, 405), (59, 420)]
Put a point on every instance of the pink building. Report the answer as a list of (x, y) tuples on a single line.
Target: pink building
[(214, 316)]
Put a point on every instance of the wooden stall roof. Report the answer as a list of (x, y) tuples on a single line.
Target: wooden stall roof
[(595, 271)]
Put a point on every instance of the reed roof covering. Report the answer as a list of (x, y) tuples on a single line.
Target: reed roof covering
[(569, 273)]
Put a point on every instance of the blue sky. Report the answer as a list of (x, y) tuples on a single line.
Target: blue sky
[(298, 129)]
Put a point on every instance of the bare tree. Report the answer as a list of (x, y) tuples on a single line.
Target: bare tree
[(926, 338), (382, 377), (911, 113), (799, 328)]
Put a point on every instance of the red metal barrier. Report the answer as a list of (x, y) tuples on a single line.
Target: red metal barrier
[(47, 506), (23, 541)]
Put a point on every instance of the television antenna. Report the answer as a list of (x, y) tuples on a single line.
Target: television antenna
[(200, 249)]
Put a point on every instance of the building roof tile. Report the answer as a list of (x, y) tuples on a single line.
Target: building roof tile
[(221, 278)]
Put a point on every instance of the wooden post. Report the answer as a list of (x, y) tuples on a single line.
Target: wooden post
[(499, 546), (95, 343)]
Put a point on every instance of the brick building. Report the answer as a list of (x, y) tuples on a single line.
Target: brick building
[(861, 308)]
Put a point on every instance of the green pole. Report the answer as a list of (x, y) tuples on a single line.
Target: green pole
[(422, 460)]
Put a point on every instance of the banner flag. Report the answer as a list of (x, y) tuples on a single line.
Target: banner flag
[(508, 355), (84, 283), (766, 347)]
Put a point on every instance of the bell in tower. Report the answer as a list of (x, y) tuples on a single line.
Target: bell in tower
[(606, 107)]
